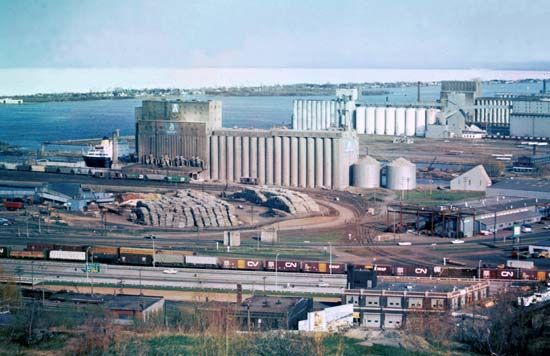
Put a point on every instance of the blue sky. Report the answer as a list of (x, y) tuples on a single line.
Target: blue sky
[(276, 33)]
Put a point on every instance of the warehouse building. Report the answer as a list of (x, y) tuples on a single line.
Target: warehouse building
[(474, 180), (390, 303), (175, 132), (530, 118), (307, 159), (527, 188)]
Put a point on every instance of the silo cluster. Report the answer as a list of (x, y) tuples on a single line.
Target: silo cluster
[(366, 173), (401, 175), (283, 157), (322, 114), (393, 121)]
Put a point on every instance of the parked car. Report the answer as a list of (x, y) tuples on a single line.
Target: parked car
[(526, 228), (170, 271)]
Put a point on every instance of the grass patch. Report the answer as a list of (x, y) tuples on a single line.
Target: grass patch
[(438, 197)]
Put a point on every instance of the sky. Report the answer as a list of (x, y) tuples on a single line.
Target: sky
[(419, 34)]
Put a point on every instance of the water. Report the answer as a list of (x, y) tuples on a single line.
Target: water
[(28, 125)]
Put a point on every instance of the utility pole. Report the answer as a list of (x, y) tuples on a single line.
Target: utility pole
[(276, 276), (330, 258)]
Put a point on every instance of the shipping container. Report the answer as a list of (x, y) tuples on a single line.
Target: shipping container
[(67, 255), (201, 261), (13, 204), (136, 251), (27, 254), (134, 176), (383, 270), (520, 264), (4, 252), (165, 259), (420, 271), (336, 268), (250, 264), (68, 248), (65, 170), (39, 246), (285, 266), (363, 266), (135, 259), (177, 179)]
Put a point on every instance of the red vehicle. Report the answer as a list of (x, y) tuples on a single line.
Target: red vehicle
[(13, 203)]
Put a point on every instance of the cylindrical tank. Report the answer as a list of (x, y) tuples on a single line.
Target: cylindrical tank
[(399, 121), (246, 156), (295, 115), (366, 173), (333, 113), (401, 175), (380, 118), (237, 158), (214, 157), (302, 166), (431, 116), (420, 122), (310, 162), (319, 165), (277, 163), (222, 164), (410, 121), (286, 161), (230, 153), (294, 161), (269, 160), (261, 160), (390, 121), (370, 121), (360, 118), (327, 179), (254, 157)]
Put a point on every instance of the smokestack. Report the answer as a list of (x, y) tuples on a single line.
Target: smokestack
[(418, 92), (115, 147)]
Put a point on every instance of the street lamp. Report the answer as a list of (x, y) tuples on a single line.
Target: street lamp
[(276, 276), (479, 269), (330, 257), (152, 238)]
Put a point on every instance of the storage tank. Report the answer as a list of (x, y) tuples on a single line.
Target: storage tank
[(399, 121), (371, 121), (366, 173), (401, 175), (431, 116), (410, 121), (390, 121), (380, 121), (360, 118), (420, 122)]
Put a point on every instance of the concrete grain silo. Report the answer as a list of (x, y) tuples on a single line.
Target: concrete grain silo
[(390, 121), (360, 119), (431, 116), (371, 121), (399, 121), (420, 122), (401, 175), (380, 118), (366, 173), (410, 121)]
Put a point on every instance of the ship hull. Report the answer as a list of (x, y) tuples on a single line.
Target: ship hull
[(98, 162)]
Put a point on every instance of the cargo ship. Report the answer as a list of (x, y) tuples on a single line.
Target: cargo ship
[(100, 156)]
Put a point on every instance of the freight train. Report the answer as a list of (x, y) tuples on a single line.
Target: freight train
[(97, 173), (178, 258)]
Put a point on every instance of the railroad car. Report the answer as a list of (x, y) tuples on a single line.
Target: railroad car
[(284, 266)]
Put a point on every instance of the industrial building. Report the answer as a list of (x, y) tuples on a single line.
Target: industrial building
[(8, 101), (530, 117), (322, 114), (394, 121), (460, 93), (307, 159), (527, 188), (469, 218), (175, 132), (493, 110), (390, 303), (474, 180)]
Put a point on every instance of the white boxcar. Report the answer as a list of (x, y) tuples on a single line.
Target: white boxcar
[(67, 255), (201, 260)]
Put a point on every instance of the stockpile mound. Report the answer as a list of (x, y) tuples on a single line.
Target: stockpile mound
[(276, 198), (184, 209)]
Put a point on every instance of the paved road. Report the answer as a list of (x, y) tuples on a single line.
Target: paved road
[(49, 271)]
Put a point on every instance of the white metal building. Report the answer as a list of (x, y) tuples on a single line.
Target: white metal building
[(476, 179)]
